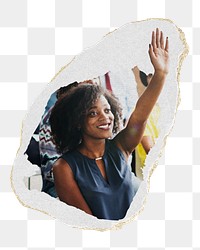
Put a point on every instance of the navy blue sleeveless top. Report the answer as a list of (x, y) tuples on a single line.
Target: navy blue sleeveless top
[(107, 199)]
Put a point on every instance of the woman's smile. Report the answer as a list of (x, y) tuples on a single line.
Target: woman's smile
[(105, 126), (99, 121)]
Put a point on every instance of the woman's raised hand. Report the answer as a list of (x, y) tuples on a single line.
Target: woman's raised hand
[(158, 52)]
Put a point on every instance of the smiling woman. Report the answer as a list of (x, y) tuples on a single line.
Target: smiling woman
[(92, 173), (99, 120), (92, 170), (89, 108)]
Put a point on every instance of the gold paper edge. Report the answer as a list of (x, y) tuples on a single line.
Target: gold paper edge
[(119, 225)]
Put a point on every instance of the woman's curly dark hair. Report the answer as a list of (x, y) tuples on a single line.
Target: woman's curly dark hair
[(70, 111)]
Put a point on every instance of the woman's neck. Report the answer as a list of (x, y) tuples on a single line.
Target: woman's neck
[(92, 149)]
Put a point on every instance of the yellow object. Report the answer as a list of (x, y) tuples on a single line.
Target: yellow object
[(152, 131)]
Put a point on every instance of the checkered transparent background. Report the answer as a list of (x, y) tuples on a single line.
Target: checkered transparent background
[(38, 37)]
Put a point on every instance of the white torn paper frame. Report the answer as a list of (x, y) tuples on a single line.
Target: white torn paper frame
[(118, 52)]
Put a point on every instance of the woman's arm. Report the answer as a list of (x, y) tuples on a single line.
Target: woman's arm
[(66, 186), (132, 134), (147, 143)]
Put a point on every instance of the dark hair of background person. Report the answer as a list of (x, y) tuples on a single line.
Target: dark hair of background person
[(143, 78), (63, 90), (70, 111)]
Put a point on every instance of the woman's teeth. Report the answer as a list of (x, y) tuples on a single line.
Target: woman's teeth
[(105, 126)]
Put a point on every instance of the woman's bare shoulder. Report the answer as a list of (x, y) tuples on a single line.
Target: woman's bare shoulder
[(60, 164)]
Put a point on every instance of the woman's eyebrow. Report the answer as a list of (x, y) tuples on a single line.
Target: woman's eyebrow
[(93, 107)]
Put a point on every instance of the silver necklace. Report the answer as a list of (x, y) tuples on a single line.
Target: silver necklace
[(98, 158)]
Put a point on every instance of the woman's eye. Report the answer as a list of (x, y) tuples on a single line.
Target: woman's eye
[(93, 113), (107, 111)]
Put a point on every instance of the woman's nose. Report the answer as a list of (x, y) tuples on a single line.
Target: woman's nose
[(103, 116)]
